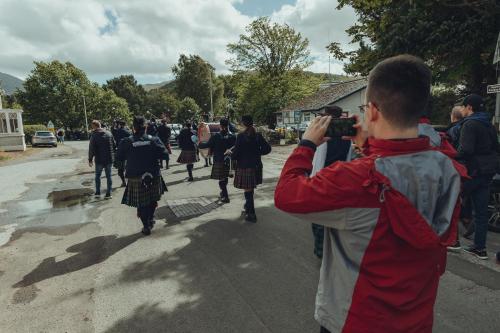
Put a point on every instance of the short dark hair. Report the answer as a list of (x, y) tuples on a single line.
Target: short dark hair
[(139, 123), (334, 111), (224, 122), (400, 88)]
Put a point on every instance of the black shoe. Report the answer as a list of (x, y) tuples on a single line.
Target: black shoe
[(252, 218), (498, 257), (455, 247), (224, 199), (481, 254), (108, 196), (97, 194), (152, 224), (190, 179), (146, 231)]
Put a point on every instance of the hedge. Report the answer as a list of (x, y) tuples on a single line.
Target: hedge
[(29, 131)]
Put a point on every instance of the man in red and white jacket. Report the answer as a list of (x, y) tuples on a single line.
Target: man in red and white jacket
[(388, 216)]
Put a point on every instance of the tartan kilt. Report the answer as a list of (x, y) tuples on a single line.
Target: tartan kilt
[(247, 178), (188, 157), (220, 171), (136, 195)]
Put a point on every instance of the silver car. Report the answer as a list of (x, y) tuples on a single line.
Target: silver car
[(43, 138)]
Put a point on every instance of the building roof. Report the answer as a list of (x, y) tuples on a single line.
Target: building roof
[(329, 95)]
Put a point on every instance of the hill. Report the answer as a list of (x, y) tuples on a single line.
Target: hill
[(10, 83), (152, 86)]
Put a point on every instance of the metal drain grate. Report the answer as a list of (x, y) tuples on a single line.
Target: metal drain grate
[(192, 206)]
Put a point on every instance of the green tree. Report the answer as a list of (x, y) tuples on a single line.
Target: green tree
[(261, 96), (105, 106), (161, 101), (271, 49), (54, 91), (456, 38), (126, 86), (194, 77), (188, 111)]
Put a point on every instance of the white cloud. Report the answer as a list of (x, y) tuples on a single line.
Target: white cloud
[(321, 23), (111, 37)]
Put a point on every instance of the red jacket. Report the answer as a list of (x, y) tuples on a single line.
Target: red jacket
[(388, 218)]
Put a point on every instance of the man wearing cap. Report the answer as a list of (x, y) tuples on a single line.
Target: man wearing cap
[(478, 148)]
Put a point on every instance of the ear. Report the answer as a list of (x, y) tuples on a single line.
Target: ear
[(372, 112)]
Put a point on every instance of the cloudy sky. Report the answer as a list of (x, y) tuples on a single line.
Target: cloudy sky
[(107, 38)]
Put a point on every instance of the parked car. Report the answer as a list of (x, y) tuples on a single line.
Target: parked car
[(43, 138), (175, 130)]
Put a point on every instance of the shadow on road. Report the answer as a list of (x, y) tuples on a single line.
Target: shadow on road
[(196, 179), (88, 253), (230, 278)]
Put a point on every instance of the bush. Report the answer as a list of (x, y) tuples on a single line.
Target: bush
[(29, 131)]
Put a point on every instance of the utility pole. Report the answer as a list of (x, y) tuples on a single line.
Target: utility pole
[(211, 98), (85, 111), (496, 61)]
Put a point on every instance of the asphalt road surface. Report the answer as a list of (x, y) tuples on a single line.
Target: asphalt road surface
[(71, 263)]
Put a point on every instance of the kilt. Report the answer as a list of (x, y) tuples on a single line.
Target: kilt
[(136, 195), (188, 157), (247, 178), (220, 171)]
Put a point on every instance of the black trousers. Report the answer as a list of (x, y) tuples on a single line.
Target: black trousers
[(324, 330)]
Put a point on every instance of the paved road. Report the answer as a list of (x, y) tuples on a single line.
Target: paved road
[(81, 265)]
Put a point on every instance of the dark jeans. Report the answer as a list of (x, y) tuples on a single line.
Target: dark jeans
[(478, 190), (98, 173)]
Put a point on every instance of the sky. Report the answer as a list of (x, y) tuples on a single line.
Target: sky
[(107, 38)]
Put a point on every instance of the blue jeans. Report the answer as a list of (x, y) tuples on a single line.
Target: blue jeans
[(98, 173), (478, 190)]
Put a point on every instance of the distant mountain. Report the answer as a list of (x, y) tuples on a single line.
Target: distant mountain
[(10, 83), (152, 86)]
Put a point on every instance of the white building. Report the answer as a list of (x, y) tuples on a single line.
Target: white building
[(349, 95), (11, 129)]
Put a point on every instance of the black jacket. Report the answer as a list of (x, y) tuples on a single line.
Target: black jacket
[(185, 142), (142, 154), (101, 147), (152, 129), (164, 133), (120, 134), (218, 144), (478, 148), (248, 150)]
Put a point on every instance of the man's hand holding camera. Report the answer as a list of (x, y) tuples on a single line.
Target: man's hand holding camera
[(319, 126)]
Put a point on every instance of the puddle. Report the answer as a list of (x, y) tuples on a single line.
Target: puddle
[(69, 198)]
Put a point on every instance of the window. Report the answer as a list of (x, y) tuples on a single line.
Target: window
[(3, 123), (288, 117), (14, 126), (307, 116)]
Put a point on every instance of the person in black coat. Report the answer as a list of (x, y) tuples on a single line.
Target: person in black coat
[(247, 152), (188, 154), (121, 132), (219, 144), (152, 128), (164, 133), (101, 148), (145, 184)]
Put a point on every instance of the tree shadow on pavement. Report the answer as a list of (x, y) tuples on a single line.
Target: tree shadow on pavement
[(231, 277), (185, 171), (196, 179), (88, 253)]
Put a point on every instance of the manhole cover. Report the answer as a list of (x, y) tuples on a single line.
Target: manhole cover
[(192, 206)]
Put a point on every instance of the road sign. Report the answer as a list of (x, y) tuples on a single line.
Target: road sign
[(494, 89), (496, 58)]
